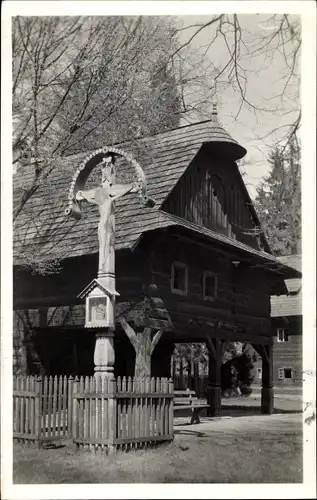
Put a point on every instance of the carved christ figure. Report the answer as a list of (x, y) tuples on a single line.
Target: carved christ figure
[(104, 196)]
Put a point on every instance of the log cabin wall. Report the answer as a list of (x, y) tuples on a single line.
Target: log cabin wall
[(62, 288), (242, 299), (287, 356), (211, 194), (49, 306)]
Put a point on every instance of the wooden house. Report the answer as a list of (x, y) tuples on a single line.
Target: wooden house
[(195, 268), (286, 313)]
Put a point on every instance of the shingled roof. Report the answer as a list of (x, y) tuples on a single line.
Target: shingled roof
[(42, 227), (291, 304)]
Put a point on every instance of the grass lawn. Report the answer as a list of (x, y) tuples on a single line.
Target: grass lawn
[(258, 449)]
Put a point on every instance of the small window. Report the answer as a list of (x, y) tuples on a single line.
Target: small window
[(284, 373), (179, 278), (281, 335), (288, 373), (259, 373), (209, 286)]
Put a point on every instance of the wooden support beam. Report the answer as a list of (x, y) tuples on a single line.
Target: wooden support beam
[(223, 348), (211, 349), (262, 351), (267, 392), (216, 349)]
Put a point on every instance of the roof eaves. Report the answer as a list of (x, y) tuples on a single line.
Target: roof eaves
[(177, 221)]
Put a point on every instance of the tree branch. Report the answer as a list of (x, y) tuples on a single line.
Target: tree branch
[(129, 332), (156, 339)]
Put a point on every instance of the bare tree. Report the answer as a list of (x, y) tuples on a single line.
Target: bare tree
[(77, 81), (80, 83), (247, 49)]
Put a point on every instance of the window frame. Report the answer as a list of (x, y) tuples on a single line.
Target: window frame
[(182, 265), (210, 274), (280, 373), (285, 339)]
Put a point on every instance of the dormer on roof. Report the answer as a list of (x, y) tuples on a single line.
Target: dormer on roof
[(221, 141)]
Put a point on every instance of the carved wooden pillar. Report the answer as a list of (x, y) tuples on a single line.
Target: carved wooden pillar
[(104, 356), (267, 392), (215, 348)]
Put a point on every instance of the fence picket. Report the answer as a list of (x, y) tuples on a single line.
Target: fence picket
[(124, 409), (81, 407), (171, 408), (97, 412), (152, 408), (60, 424), (38, 408), (129, 409), (55, 431), (75, 402), (147, 407), (86, 408), (32, 401), (65, 410), (50, 405), (67, 422)]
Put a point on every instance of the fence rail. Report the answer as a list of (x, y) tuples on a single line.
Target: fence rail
[(97, 413)]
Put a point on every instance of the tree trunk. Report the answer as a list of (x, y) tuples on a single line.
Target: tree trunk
[(143, 354)]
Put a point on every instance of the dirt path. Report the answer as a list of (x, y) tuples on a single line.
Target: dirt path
[(249, 424)]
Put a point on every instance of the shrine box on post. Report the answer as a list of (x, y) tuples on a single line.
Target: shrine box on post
[(100, 297)]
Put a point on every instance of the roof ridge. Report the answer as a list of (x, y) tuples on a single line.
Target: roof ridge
[(144, 137)]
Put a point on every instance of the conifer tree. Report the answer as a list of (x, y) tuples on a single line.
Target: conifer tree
[(278, 200)]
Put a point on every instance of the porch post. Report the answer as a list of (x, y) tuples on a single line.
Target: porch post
[(267, 392), (214, 377)]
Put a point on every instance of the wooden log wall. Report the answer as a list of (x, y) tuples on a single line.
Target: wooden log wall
[(285, 355), (62, 288), (242, 298), (211, 194)]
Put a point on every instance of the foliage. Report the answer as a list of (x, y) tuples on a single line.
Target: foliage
[(236, 367), (236, 374), (191, 353), (278, 200), (198, 352)]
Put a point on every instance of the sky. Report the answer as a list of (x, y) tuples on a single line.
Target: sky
[(263, 85)]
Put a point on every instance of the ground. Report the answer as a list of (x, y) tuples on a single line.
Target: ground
[(251, 448)]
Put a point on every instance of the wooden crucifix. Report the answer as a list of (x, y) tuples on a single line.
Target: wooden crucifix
[(104, 196), (101, 292)]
